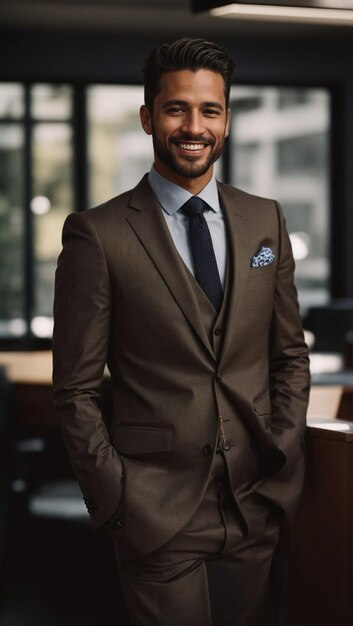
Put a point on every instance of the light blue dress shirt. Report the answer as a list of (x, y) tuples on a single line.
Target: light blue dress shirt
[(171, 197)]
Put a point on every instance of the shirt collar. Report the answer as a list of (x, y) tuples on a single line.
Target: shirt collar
[(171, 197)]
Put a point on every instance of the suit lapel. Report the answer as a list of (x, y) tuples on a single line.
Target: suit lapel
[(148, 223), (239, 261)]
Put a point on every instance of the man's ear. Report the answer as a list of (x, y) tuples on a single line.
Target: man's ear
[(227, 123), (146, 119)]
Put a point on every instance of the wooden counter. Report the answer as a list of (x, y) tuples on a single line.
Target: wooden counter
[(34, 368), (321, 544)]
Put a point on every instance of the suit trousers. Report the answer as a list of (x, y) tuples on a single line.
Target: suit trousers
[(211, 573)]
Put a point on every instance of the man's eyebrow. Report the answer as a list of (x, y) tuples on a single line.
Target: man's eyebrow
[(211, 104)]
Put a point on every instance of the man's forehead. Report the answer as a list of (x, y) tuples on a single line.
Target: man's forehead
[(205, 82)]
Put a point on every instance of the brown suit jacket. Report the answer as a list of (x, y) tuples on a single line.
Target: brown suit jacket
[(123, 297)]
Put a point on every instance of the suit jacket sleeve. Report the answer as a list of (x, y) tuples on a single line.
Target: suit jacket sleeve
[(289, 380), (82, 311)]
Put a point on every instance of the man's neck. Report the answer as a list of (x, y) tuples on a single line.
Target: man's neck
[(192, 185)]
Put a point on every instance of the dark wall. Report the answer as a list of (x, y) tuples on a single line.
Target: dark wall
[(320, 61)]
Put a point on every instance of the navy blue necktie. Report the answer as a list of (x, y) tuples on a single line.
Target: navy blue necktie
[(206, 270)]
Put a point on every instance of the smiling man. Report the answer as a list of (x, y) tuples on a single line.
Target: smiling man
[(188, 126), (184, 287)]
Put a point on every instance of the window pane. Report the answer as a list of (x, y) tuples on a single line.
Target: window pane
[(11, 100), (52, 201), (51, 102), (119, 151), (11, 231), (280, 149)]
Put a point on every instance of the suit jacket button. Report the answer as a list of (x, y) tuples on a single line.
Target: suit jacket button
[(207, 449), (217, 331)]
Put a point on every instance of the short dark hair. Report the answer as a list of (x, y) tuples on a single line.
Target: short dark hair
[(185, 54)]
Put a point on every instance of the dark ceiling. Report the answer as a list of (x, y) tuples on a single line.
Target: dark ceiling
[(152, 17)]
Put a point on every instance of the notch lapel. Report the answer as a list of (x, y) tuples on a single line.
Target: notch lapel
[(149, 225)]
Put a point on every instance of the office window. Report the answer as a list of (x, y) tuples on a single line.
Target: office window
[(280, 149), (11, 208), (51, 102), (52, 196), (52, 199), (11, 229), (36, 193), (119, 152)]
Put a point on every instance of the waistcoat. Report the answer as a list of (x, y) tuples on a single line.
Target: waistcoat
[(213, 321)]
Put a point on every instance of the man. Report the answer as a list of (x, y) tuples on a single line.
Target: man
[(184, 286)]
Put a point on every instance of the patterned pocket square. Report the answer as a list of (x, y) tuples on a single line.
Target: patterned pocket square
[(264, 257)]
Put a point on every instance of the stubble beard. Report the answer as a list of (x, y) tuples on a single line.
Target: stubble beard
[(190, 169)]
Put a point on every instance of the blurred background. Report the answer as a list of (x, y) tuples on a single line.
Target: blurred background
[(70, 138)]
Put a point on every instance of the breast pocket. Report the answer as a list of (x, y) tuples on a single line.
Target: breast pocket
[(263, 271), (263, 408), (258, 298)]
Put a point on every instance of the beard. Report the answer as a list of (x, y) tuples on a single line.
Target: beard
[(188, 167)]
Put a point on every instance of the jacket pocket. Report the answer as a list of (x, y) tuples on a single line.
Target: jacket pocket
[(263, 406), (138, 439), (263, 270)]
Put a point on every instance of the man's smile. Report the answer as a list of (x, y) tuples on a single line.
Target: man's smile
[(191, 146)]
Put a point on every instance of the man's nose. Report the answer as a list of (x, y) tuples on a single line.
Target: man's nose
[(193, 123)]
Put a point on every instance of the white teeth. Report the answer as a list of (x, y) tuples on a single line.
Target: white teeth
[(191, 146)]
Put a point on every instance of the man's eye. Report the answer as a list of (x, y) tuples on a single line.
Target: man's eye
[(175, 110), (211, 112)]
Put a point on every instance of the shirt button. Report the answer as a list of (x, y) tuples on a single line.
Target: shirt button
[(207, 449)]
